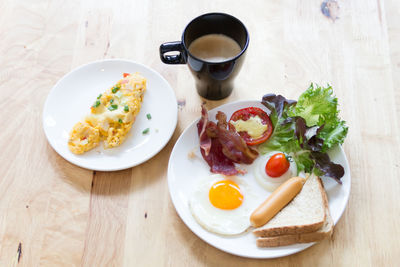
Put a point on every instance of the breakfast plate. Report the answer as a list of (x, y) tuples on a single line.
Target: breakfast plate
[(184, 172), (70, 99)]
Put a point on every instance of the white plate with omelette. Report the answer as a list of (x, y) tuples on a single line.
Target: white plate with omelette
[(77, 93), (189, 177)]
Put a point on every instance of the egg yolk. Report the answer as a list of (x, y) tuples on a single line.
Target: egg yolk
[(225, 195)]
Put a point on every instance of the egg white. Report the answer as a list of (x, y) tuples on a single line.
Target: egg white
[(225, 222), (266, 181)]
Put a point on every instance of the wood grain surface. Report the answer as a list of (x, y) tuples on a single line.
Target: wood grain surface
[(63, 215)]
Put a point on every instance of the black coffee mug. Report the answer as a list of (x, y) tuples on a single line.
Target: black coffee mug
[(214, 80)]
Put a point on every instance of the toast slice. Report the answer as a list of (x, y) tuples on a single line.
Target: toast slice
[(306, 213), (285, 240)]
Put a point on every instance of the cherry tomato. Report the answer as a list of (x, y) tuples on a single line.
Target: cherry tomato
[(125, 75), (277, 165), (245, 114)]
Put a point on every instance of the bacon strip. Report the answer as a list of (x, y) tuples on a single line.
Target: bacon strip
[(217, 161), (234, 147), (211, 148), (221, 147), (205, 141)]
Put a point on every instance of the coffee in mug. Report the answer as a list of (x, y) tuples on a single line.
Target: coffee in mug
[(213, 45), (214, 48)]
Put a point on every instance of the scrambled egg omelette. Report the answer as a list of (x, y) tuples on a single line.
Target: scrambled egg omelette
[(111, 117)]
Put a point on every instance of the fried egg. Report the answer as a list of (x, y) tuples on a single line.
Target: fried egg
[(266, 181), (223, 205)]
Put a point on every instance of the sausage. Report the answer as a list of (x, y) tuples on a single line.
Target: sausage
[(276, 201)]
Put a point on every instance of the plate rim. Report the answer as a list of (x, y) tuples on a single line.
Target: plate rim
[(128, 165), (169, 174)]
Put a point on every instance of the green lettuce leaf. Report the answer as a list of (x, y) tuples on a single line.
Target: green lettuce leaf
[(303, 161), (307, 129), (316, 105), (283, 137), (333, 135)]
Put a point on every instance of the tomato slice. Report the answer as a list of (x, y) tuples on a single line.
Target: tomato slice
[(245, 114), (277, 165), (125, 74)]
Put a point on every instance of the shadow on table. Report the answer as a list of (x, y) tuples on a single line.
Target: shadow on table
[(68, 173)]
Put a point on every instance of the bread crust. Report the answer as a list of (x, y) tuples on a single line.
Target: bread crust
[(295, 229), (286, 240), (289, 230)]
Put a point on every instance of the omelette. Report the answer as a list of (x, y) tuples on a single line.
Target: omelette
[(111, 115)]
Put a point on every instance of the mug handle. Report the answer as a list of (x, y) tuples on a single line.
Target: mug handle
[(170, 47)]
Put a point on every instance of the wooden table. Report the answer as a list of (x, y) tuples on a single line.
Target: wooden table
[(63, 215)]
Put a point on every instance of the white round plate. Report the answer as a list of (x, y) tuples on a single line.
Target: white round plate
[(184, 173), (70, 100)]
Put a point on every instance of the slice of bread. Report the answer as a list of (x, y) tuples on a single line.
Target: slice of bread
[(284, 240), (306, 213)]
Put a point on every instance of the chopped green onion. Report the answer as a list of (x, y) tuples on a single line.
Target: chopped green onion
[(99, 96), (148, 116), (96, 104), (112, 100), (126, 108), (145, 131), (112, 107), (119, 120), (115, 89), (118, 94)]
